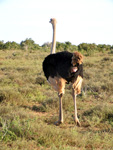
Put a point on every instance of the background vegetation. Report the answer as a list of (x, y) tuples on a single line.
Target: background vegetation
[(29, 106), (29, 44)]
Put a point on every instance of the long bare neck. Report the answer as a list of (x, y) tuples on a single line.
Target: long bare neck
[(53, 48)]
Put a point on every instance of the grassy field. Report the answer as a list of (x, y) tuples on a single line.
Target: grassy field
[(29, 106)]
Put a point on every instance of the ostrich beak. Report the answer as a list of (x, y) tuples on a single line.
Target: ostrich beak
[(50, 20)]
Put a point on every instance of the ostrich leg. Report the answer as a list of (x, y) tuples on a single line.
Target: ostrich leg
[(75, 107), (60, 110)]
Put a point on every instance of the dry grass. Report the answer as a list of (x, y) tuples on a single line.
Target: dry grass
[(29, 106)]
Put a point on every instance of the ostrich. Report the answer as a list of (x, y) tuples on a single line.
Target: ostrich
[(61, 68)]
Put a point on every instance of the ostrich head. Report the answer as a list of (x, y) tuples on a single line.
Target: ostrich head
[(53, 21)]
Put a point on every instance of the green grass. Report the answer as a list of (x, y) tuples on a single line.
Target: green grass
[(29, 106)]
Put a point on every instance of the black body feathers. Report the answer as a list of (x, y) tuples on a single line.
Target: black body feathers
[(59, 64)]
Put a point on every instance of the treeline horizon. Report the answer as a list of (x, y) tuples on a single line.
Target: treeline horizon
[(29, 44)]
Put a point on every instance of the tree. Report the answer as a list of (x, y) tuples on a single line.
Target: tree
[(29, 44), (67, 46), (7, 45), (1, 44), (88, 48), (15, 45), (11, 45)]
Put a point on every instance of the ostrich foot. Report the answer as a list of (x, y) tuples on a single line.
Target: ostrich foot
[(77, 122), (57, 123)]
